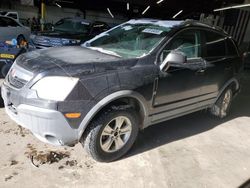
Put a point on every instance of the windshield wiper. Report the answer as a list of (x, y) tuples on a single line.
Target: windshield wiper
[(99, 49)]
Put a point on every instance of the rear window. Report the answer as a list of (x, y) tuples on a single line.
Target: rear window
[(215, 45), (72, 26)]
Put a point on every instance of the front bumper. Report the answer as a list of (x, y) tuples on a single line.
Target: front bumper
[(48, 125)]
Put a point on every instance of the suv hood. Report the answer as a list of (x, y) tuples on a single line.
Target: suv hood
[(73, 61), (65, 35)]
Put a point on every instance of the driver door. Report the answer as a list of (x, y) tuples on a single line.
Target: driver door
[(178, 90)]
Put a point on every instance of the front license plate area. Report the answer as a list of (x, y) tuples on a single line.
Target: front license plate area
[(7, 56)]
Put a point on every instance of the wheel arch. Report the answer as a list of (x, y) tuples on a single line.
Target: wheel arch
[(119, 97), (232, 82)]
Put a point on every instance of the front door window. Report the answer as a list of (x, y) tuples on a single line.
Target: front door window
[(187, 42)]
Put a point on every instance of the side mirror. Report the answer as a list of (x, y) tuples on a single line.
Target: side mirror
[(174, 58)]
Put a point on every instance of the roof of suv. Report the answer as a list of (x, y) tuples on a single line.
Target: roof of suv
[(172, 23)]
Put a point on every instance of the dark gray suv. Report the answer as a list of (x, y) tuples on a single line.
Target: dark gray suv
[(135, 75)]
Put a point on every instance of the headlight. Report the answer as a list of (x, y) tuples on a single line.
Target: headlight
[(55, 88)]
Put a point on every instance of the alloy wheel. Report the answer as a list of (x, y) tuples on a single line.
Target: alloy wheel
[(115, 134)]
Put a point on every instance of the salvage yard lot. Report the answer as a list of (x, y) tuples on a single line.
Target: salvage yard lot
[(193, 151)]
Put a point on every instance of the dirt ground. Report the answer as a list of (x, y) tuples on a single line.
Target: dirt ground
[(193, 151)]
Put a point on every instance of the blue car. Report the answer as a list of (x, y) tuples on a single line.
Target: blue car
[(9, 51)]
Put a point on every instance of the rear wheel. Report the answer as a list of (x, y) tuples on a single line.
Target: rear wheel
[(111, 134), (222, 106)]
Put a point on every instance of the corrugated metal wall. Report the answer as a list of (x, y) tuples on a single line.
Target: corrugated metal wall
[(236, 22), (238, 29)]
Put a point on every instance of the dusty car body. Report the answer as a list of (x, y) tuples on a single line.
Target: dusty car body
[(103, 92)]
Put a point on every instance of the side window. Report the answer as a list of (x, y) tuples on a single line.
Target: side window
[(12, 15), (231, 49), (188, 42), (215, 45), (2, 22), (10, 22)]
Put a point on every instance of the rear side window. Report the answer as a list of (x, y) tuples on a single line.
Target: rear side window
[(215, 45), (231, 49)]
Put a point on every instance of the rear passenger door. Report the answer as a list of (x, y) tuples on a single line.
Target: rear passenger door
[(219, 63)]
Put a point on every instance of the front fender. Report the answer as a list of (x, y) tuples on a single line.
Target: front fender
[(107, 100), (228, 83)]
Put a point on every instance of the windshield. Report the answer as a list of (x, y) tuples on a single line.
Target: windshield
[(72, 26), (130, 40)]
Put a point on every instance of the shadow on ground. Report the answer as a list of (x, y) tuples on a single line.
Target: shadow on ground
[(192, 124)]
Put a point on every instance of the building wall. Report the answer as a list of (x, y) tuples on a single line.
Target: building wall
[(235, 22), (53, 13), (23, 11)]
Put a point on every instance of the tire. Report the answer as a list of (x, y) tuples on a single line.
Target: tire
[(97, 140), (222, 106)]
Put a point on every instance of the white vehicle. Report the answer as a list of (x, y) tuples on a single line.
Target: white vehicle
[(13, 15), (11, 29)]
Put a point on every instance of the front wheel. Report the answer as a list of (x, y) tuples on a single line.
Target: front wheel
[(222, 105), (111, 134)]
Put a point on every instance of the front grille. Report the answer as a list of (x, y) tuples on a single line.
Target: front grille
[(18, 77)]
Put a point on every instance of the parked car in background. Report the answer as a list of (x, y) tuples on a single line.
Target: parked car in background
[(13, 15), (140, 73), (11, 29), (68, 31)]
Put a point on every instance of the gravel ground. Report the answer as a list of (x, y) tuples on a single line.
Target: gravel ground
[(193, 151)]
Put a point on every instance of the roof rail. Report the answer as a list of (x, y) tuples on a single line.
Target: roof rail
[(198, 23)]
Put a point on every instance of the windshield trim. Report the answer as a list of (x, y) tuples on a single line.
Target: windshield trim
[(99, 49)]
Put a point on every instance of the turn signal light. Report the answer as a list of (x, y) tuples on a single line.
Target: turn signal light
[(73, 115)]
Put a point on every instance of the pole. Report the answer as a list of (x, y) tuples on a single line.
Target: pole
[(43, 10)]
